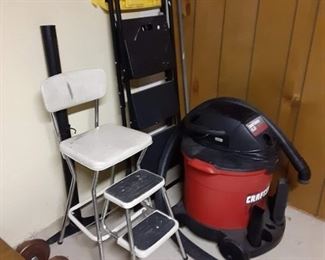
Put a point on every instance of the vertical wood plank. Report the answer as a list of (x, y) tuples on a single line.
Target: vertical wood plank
[(188, 11), (207, 42), (321, 210), (189, 21), (178, 59), (188, 14), (309, 138), (297, 64), (239, 28), (272, 41)]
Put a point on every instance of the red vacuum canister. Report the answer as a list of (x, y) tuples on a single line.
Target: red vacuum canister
[(230, 150), (222, 199), (229, 155)]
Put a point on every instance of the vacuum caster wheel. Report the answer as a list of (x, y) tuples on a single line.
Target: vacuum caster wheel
[(230, 250), (34, 249)]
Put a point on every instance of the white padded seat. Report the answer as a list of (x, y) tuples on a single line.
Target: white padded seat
[(105, 146)]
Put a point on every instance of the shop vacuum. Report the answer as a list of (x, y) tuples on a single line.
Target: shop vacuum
[(230, 151)]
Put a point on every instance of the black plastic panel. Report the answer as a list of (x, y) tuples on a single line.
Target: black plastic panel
[(148, 45), (154, 105)]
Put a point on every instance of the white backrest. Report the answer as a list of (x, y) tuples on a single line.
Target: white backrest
[(73, 88)]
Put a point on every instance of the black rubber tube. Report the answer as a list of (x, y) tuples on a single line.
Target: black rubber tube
[(288, 148)]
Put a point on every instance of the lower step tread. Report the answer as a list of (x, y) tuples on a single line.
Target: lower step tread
[(157, 227)]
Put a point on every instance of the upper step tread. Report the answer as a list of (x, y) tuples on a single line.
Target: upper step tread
[(134, 188)]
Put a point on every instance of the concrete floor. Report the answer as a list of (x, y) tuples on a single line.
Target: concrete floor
[(304, 239)]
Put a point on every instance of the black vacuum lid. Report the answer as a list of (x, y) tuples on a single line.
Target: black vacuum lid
[(229, 136)]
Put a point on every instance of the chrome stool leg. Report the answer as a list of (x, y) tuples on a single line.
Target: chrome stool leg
[(69, 200), (130, 233), (98, 229), (106, 202), (178, 237)]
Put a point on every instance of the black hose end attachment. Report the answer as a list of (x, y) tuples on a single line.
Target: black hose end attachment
[(304, 176)]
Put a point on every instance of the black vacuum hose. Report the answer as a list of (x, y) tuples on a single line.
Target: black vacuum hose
[(167, 156), (291, 152)]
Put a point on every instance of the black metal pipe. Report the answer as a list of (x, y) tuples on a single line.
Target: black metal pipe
[(51, 49), (52, 56)]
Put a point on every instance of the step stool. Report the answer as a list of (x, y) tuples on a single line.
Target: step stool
[(99, 149), (146, 236)]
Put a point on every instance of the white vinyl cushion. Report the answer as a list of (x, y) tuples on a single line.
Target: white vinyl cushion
[(73, 88), (105, 146)]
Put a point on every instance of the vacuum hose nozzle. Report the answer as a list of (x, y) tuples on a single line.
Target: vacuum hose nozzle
[(293, 155), (304, 176)]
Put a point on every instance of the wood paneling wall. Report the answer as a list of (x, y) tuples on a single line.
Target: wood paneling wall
[(205, 65), (272, 54), (310, 128), (238, 41)]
